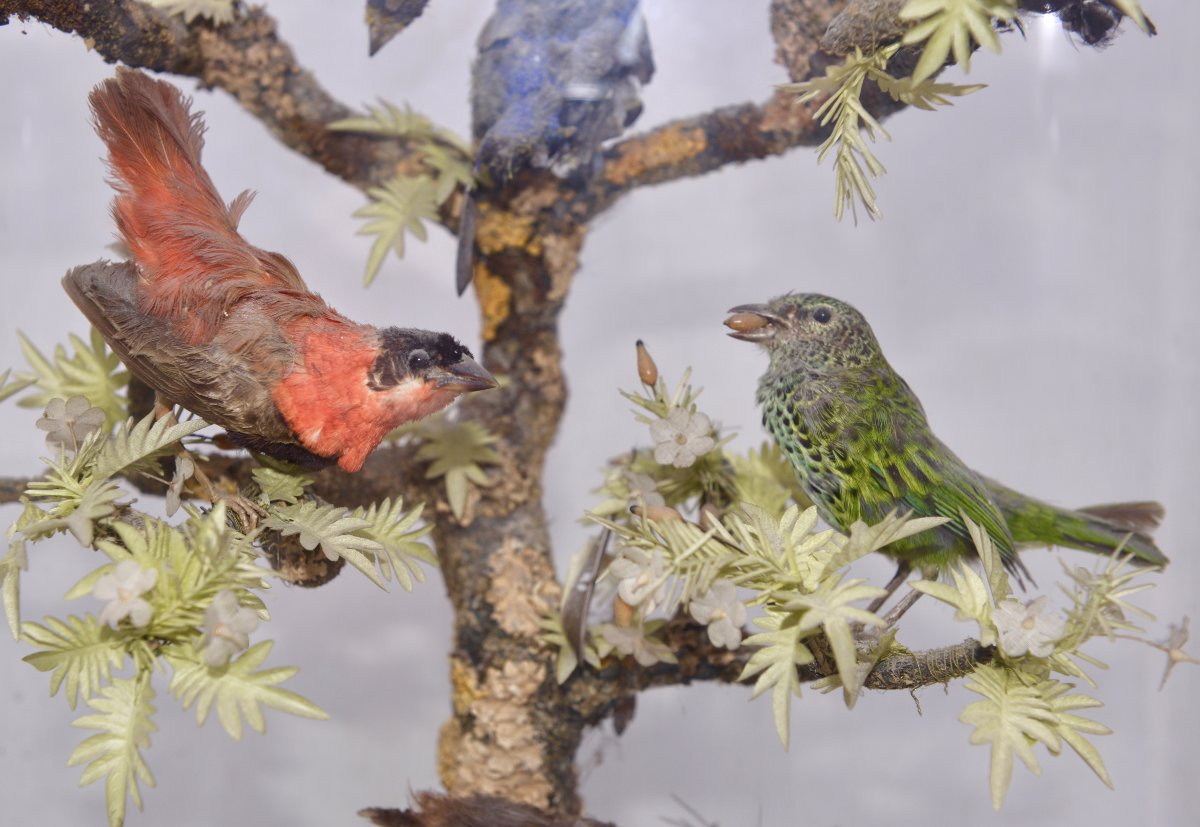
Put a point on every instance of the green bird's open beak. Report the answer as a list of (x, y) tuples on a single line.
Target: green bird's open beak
[(753, 323), (465, 375)]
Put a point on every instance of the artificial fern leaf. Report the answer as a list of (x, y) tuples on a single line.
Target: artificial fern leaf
[(1071, 727), (829, 607), (399, 205), (278, 485), (124, 722), (950, 26), (780, 652), (238, 690), (10, 582), (218, 11), (134, 444), (865, 539), (332, 528), (1133, 9), (79, 651), (387, 119), (969, 595), (1011, 717), (456, 449), (92, 371), (98, 501), (8, 389), (392, 528)]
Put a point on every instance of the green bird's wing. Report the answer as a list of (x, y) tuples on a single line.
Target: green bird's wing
[(903, 465)]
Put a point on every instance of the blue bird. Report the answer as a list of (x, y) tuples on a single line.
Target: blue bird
[(552, 81)]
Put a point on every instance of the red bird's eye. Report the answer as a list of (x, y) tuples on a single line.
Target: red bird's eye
[(418, 360)]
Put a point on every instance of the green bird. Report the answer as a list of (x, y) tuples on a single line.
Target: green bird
[(861, 446)]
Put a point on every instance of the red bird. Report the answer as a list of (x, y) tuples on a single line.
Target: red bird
[(230, 331)]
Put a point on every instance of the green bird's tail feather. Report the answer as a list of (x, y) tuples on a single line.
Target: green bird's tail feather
[(1098, 528)]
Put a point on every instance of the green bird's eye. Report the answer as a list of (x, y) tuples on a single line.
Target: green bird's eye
[(821, 314)]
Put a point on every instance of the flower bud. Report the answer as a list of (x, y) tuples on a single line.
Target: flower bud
[(647, 370)]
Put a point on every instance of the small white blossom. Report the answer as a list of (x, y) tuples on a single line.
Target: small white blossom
[(228, 626), (632, 640), (639, 575), (68, 422), (720, 608), (681, 437), (122, 589), (643, 490), (1034, 627)]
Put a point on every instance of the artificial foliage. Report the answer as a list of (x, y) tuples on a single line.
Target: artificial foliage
[(404, 203), (181, 599), (736, 524), (946, 32)]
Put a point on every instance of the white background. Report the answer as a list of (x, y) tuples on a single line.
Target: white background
[(1032, 278)]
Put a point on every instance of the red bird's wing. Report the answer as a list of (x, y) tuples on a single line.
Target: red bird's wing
[(194, 265), (228, 386)]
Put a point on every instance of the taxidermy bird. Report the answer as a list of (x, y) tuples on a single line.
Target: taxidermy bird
[(552, 81), (860, 444), (230, 331)]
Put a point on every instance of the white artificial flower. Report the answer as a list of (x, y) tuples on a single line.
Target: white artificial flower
[(681, 437), (122, 588), (632, 640), (228, 628), (639, 575), (68, 422), (722, 611), (1034, 627)]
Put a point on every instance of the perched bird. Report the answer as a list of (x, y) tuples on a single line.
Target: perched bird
[(553, 80), (230, 331), (861, 446)]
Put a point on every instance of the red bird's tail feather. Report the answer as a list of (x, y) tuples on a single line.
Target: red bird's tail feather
[(182, 235)]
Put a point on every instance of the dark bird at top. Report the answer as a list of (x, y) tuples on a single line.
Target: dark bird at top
[(553, 80)]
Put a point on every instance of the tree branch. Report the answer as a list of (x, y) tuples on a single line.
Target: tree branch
[(11, 488), (735, 134), (247, 59), (595, 692)]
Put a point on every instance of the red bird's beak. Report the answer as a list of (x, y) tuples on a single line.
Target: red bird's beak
[(463, 376), (753, 323)]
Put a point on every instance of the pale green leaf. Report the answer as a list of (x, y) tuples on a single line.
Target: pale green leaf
[(8, 389), (237, 690), (950, 26), (969, 595), (399, 206), (829, 608), (10, 582), (124, 722), (397, 533), (279, 485), (98, 501), (780, 651), (455, 451), (134, 445), (331, 527), (92, 370), (1133, 10), (218, 11), (79, 651)]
